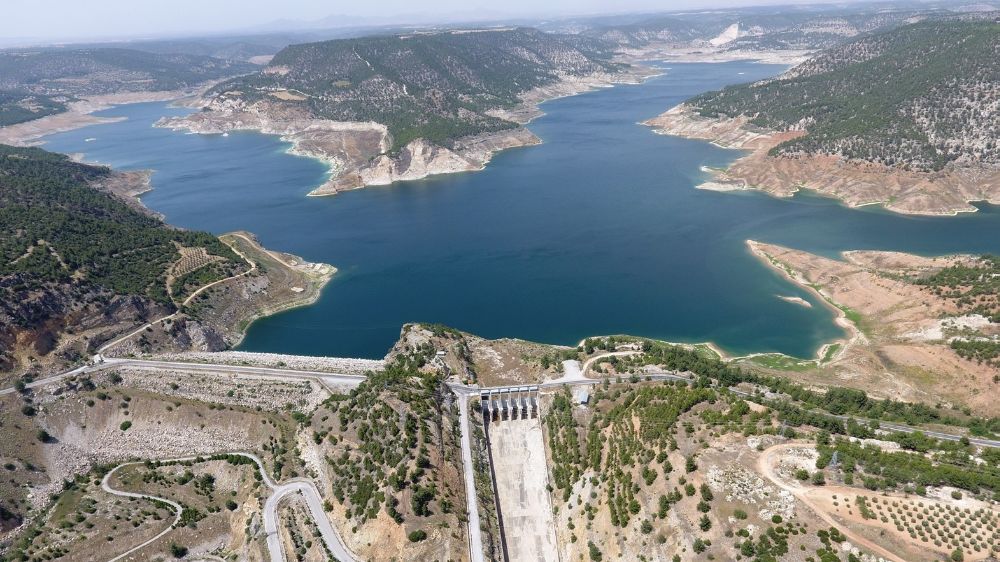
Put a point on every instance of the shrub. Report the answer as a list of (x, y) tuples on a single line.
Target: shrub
[(417, 536), (178, 551), (125, 425), (595, 553)]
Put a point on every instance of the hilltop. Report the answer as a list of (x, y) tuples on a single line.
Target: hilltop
[(905, 117), (395, 107)]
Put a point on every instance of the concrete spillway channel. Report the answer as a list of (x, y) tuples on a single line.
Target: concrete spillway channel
[(518, 467)]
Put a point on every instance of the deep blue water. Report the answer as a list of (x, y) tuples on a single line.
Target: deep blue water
[(597, 231)]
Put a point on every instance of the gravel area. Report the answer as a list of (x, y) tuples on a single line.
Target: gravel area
[(340, 365), (743, 485)]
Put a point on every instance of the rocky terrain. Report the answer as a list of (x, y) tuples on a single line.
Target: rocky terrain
[(86, 267), (892, 150), (66, 433)]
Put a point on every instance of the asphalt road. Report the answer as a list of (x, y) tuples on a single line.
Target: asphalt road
[(472, 505), (354, 380), (278, 492)]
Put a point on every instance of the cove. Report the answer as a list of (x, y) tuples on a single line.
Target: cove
[(597, 231)]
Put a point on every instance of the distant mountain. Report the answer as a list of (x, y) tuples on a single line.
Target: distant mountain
[(101, 71), (433, 85), (918, 97), (759, 28), (39, 82)]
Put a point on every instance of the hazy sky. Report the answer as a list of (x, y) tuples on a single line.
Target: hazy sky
[(77, 19)]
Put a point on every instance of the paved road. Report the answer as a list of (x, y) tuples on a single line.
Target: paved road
[(308, 489), (354, 380), (330, 536), (472, 505), (278, 492)]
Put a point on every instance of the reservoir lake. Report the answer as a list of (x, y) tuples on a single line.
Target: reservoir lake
[(599, 230)]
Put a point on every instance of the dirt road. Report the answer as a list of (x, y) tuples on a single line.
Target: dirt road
[(766, 466)]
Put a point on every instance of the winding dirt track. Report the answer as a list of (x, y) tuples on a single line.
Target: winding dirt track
[(187, 301), (766, 464), (279, 491)]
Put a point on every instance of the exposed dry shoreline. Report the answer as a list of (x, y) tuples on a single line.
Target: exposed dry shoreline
[(671, 53), (80, 114), (947, 192), (356, 152), (900, 331)]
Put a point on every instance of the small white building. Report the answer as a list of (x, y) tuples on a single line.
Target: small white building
[(581, 396)]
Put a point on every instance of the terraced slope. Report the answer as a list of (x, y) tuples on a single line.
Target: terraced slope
[(73, 257)]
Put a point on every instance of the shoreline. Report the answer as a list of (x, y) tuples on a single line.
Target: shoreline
[(855, 333), (80, 114), (855, 184), (355, 152), (321, 274), (669, 54)]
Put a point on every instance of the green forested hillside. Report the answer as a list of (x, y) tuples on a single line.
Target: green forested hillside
[(917, 97), (102, 71), (18, 107), (432, 85), (56, 228)]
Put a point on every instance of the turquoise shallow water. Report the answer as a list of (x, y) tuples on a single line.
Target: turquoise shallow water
[(597, 231)]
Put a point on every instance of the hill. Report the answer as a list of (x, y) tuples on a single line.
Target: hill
[(917, 97), (758, 29), (76, 258), (83, 264), (35, 83), (437, 86), (905, 117), (398, 107)]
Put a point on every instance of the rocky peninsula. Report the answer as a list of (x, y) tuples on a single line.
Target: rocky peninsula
[(358, 153), (856, 183)]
